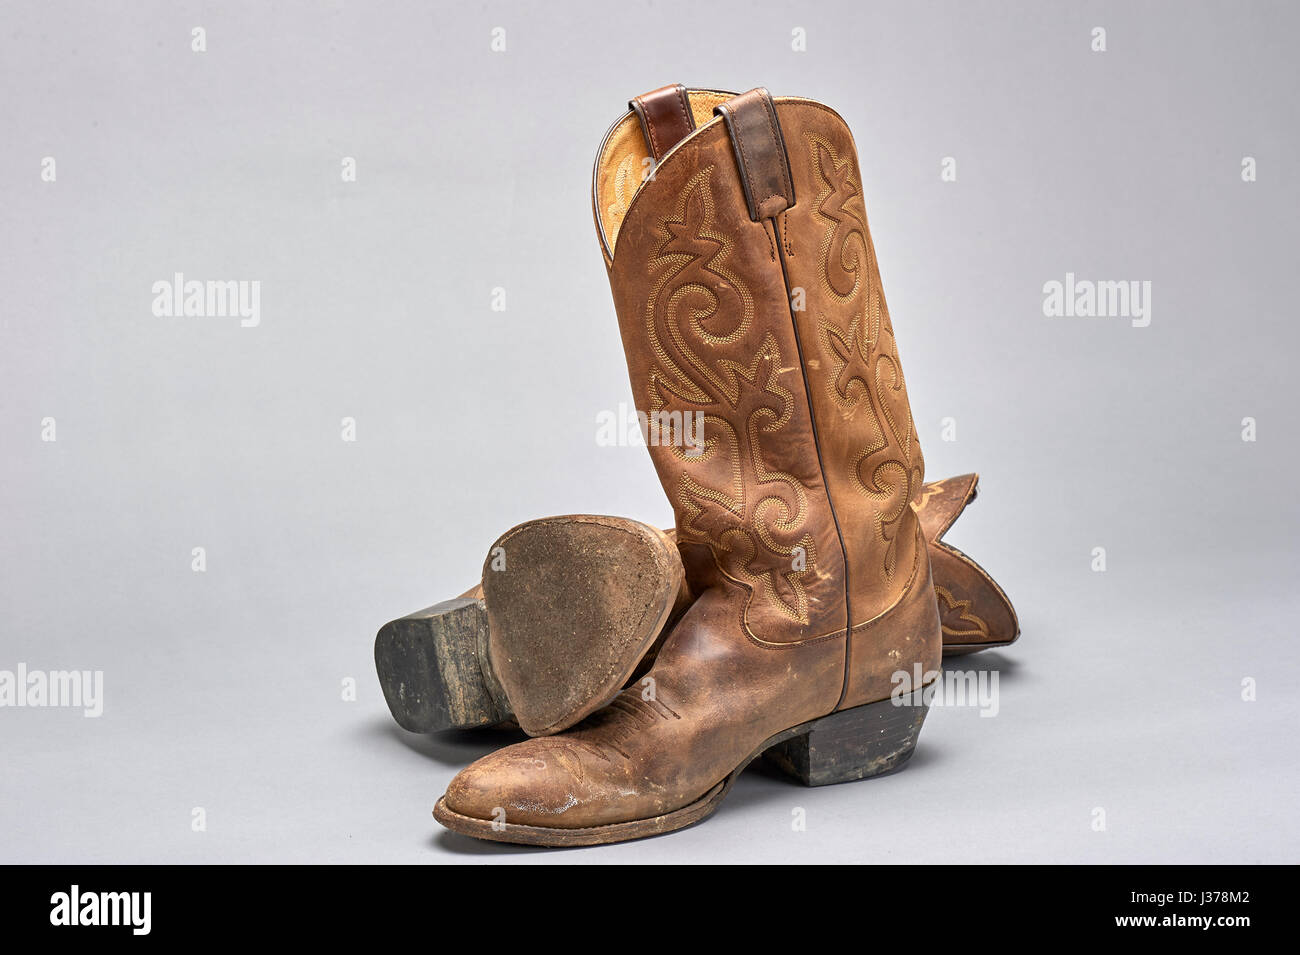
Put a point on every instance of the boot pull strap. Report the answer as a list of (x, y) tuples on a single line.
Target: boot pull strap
[(760, 153), (666, 118)]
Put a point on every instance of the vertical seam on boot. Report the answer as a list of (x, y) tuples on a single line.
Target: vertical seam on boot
[(821, 467)]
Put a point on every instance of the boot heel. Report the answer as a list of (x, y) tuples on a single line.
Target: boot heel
[(858, 743), (428, 666)]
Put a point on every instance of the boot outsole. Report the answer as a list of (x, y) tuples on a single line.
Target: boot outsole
[(962, 649), (864, 742), (574, 603)]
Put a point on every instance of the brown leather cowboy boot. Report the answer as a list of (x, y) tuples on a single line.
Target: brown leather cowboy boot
[(570, 604), (747, 292)]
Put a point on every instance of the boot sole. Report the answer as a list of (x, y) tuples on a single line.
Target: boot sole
[(875, 739), (579, 602), (961, 649), (530, 650)]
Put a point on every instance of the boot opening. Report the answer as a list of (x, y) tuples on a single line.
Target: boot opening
[(624, 163)]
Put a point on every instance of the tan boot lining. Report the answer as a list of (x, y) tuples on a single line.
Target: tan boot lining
[(624, 163)]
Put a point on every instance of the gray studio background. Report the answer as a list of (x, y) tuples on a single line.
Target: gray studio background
[(223, 688)]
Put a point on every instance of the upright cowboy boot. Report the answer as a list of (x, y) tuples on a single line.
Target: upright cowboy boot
[(747, 292), (569, 605)]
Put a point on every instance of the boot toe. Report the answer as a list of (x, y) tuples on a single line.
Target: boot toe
[(535, 783)]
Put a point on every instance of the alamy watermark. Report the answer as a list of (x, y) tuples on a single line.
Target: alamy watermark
[(626, 427), (978, 688), (1084, 298), (70, 689), (75, 907), (224, 298)]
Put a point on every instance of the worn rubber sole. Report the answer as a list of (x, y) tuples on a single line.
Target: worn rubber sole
[(875, 739), (570, 607), (574, 604)]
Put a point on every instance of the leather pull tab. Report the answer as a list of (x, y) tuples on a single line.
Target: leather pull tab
[(760, 153), (666, 118)]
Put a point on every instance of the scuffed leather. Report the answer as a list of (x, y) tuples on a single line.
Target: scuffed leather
[(716, 697)]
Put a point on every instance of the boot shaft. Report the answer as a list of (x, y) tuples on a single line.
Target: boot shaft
[(749, 299)]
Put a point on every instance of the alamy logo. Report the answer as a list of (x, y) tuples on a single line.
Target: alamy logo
[(629, 428), (74, 907), (1084, 298), (82, 689), (230, 298), (975, 688)]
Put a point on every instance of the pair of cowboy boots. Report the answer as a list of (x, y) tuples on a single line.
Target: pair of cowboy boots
[(805, 584)]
